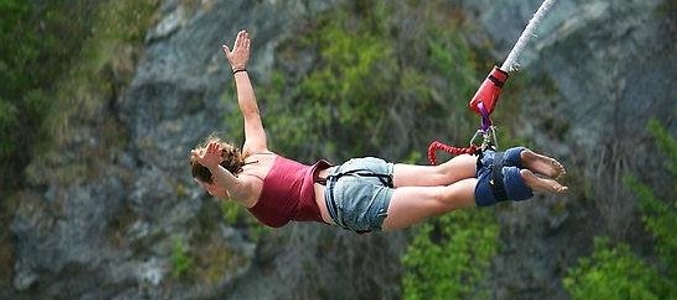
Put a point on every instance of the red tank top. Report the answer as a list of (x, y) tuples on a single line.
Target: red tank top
[(288, 193)]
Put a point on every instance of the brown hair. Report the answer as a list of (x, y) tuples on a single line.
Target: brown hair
[(232, 160)]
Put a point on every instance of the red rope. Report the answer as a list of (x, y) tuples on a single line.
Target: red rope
[(437, 145)]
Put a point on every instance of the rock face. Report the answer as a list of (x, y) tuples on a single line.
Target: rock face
[(598, 70)]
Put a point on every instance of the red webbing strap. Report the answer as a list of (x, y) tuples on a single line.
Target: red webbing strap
[(437, 145)]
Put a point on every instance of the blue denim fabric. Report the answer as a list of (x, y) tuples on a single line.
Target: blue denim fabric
[(358, 193)]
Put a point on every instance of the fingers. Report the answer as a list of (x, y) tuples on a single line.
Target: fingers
[(238, 40), (238, 55), (214, 148), (242, 35), (211, 148), (211, 152), (241, 39)]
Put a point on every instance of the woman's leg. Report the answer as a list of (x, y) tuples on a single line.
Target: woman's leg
[(464, 166), (458, 168), (413, 204)]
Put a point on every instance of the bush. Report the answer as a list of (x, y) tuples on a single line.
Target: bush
[(449, 256), (34, 52), (345, 94), (180, 258), (614, 271)]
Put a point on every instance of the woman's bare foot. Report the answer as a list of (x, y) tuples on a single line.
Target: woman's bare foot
[(542, 184), (542, 164)]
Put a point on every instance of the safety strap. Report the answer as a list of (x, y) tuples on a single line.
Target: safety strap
[(386, 179), (496, 182)]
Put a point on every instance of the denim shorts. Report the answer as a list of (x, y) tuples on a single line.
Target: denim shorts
[(358, 193)]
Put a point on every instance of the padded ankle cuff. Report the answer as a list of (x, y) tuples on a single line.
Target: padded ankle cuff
[(512, 157), (515, 187), (489, 189), (484, 196)]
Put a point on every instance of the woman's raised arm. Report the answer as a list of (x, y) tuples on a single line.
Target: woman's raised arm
[(255, 135)]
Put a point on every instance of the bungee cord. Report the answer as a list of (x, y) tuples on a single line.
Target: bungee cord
[(510, 64)]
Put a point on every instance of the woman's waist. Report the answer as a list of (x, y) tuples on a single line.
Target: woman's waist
[(319, 188)]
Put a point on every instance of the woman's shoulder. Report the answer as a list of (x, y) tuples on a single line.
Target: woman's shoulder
[(259, 163)]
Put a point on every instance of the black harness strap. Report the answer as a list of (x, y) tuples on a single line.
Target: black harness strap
[(496, 181), (387, 180)]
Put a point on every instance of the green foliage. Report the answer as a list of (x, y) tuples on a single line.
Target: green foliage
[(614, 271), (18, 50), (237, 215), (346, 92), (104, 60), (449, 256), (666, 143), (8, 120), (40, 40), (14, 53), (231, 213), (451, 55), (180, 258), (660, 217)]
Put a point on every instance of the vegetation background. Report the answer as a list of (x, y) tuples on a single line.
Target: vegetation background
[(354, 78)]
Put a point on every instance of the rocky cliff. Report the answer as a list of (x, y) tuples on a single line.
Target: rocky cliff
[(593, 76)]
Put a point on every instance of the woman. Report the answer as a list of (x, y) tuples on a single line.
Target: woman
[(362, 194)]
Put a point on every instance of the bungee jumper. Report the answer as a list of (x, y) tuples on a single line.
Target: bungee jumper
[(362, 194)]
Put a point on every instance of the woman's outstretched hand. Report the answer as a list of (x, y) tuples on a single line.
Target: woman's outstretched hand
[(211, 158), (239, 56)]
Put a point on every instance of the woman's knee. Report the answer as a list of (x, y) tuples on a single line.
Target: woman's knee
[(458, 195), (458, 168)]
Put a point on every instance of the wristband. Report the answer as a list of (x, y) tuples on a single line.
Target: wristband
[(238, 71)]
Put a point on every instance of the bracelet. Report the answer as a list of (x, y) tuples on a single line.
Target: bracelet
[(235, 71)]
